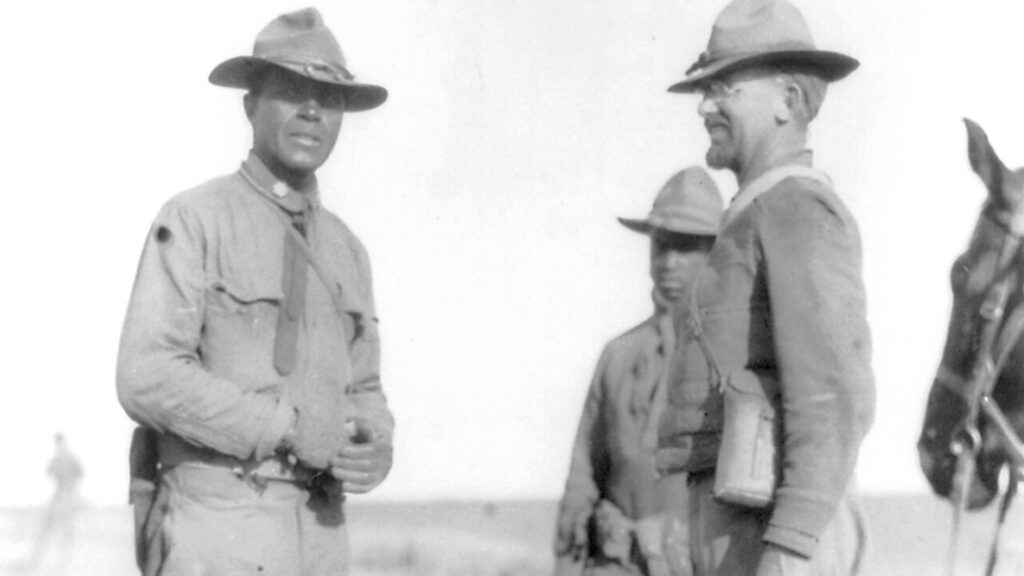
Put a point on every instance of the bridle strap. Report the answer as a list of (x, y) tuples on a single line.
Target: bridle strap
[(1012, 222), (998, 339), (1004, 508), (1011, 333), (989, 360), (965, 464)]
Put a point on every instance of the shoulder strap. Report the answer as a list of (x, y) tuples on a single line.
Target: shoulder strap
[(743, 198), (697, 330), (766, 182), (338, 299)]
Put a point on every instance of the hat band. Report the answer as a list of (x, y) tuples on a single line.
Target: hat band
[(683, 223), (709, 57), (314, 68)]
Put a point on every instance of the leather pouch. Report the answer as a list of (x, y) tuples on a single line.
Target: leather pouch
[(749, 461)]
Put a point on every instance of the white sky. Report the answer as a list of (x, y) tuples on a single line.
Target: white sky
[(486, 190)]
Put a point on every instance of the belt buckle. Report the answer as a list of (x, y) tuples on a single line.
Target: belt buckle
[(252, 478)]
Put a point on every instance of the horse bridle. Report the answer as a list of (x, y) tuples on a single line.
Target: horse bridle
[(999, 334)]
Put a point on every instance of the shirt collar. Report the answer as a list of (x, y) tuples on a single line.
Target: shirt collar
[(661, 304), (255, 171)]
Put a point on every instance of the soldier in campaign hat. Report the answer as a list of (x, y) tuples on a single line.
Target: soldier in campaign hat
[(613, 519), (778, 313), (249, 354)]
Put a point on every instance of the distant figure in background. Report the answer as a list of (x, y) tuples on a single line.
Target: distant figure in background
[(614, 514), (59, 519)]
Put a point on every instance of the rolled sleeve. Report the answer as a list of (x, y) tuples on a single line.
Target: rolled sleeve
[(161, 381), (812, 258)]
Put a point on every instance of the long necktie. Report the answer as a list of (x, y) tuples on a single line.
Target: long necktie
[(294, 278)]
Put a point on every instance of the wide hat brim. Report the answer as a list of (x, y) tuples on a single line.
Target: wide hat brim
[(646, 227), (238, 72), (830, 66)]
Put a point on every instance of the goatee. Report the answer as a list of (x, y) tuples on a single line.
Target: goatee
[(717, 157)]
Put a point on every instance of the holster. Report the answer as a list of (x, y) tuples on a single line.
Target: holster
[(146, 498), (614, 532)]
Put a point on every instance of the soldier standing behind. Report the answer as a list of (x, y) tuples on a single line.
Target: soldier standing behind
[(612, 519)]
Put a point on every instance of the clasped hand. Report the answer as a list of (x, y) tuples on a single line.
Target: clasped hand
[(363, 463), (777, 561), (354, 451)]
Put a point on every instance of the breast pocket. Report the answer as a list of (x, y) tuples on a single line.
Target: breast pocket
[(239, 328)]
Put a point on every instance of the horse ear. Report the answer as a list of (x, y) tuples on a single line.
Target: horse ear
[(984, 160)]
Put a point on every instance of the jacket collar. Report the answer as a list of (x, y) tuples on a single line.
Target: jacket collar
[(661, 305), (263, 180)]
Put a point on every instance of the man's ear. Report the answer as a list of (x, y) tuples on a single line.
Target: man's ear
[(792, 99), (249, 103)]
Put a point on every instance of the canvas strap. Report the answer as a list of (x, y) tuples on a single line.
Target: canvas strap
[(766, 182), (350, 315), (697, 331), (740, 201)]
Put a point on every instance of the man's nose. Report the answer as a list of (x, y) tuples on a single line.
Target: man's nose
[(311, 110), (675, 259), (706, 106)]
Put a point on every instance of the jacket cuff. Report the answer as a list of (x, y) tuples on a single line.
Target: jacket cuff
[(790, 539), (280, 424), (798, 522), (375, 412)]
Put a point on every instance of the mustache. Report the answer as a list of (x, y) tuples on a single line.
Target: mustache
[(673, 278), (715, 120)]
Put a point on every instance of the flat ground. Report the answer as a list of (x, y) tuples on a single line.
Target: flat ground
[(910, 537)]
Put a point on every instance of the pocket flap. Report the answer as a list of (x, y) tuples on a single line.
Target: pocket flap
[(250, 291)]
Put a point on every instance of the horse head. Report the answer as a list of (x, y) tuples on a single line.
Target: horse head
[(972, 276)]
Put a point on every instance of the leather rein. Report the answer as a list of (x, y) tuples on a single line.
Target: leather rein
[(999, 335)]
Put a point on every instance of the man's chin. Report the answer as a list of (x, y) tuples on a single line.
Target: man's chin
[(717, 158), (672, 295)]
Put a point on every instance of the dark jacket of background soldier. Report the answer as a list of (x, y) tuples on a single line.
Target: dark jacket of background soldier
[(782, 294)]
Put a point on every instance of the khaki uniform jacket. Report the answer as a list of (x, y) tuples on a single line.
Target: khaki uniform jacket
[(196, 353), (782, 293), (612, 458)]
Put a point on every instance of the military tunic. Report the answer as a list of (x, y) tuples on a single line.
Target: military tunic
[(613, 454), (196, 365), (781, 294)]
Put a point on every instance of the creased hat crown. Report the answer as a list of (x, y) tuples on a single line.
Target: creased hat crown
[(760, 32), (300, 42), (689, 203)]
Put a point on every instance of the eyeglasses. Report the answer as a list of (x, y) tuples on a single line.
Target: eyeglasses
[(716, 91)]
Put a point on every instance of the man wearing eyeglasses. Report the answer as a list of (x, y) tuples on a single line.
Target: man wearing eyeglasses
[(249, 354), (779, 315)]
